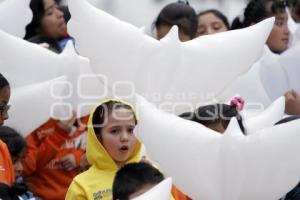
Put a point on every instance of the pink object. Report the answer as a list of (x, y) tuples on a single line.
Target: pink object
[(238, 102)]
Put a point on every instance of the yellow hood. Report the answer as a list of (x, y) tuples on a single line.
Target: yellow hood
[(96, 153)]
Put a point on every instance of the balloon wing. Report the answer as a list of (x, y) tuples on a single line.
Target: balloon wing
[(15, 15), (266, 118), (255, 95), (293, 28), (31, 105), (161, 191), (290, 60), (148, 64), (209, 165), (257, 85), (271, 162), (37, 64), (200, 149)]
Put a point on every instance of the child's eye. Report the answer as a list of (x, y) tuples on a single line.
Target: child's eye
[(114, 131), (216, 26), (201, 31), (130, 130), (50, 12)]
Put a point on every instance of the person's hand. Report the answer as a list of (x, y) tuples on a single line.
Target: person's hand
[(84, 164), (66, 125), (292, 103), (68, 162)]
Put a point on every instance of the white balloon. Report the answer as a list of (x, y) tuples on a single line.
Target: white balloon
[(15, 15), (209, 165), (25, 63), (294, 29), (161, 191), (266, 118), (257, 85), (163, 70), (31, 104), (290, 60)]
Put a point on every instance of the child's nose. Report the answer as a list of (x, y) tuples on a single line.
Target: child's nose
[(124, 136)]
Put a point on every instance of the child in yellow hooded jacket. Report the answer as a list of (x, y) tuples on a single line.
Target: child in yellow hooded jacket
[(111, 144)]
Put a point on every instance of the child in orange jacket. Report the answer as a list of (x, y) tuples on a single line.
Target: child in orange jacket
[(7, 175), (53, 156)]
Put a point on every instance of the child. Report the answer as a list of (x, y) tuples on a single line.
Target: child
[(54, 153), (180, 14), (217, 116), (7, 176), (211, 21), (47, 26), (17, 146), (111, 144), (277, 42), (257, 11), (135, 179)]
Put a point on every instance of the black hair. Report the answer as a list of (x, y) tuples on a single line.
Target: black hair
[(102, 111), (180, 14), (3, 81), (258, 10), (132, 177), (32, 29), (294, 6), (217, 113), (292, 3), (14, 141), (187, 115), (218, 14), (67, 14)]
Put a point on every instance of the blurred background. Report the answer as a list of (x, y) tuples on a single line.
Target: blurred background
[(142, 13)]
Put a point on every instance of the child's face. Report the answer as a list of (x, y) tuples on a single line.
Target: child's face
[(17, 162), (117, 135), (210, 24), (279, 37), (4, 98), (53, 22)]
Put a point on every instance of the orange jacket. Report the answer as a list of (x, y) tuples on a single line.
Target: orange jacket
[(178, 195), (7, 173), (42, 169)]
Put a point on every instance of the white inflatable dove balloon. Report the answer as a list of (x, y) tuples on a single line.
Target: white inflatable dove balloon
[(256, 95), (31, 104), (167, 67), (25, 63), (161, 191), (266, 118), (294, 29), (229, 166), (290, 60), (15, 15), (257, 85)]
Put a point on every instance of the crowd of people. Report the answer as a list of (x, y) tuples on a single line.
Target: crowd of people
[(99, 156)]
